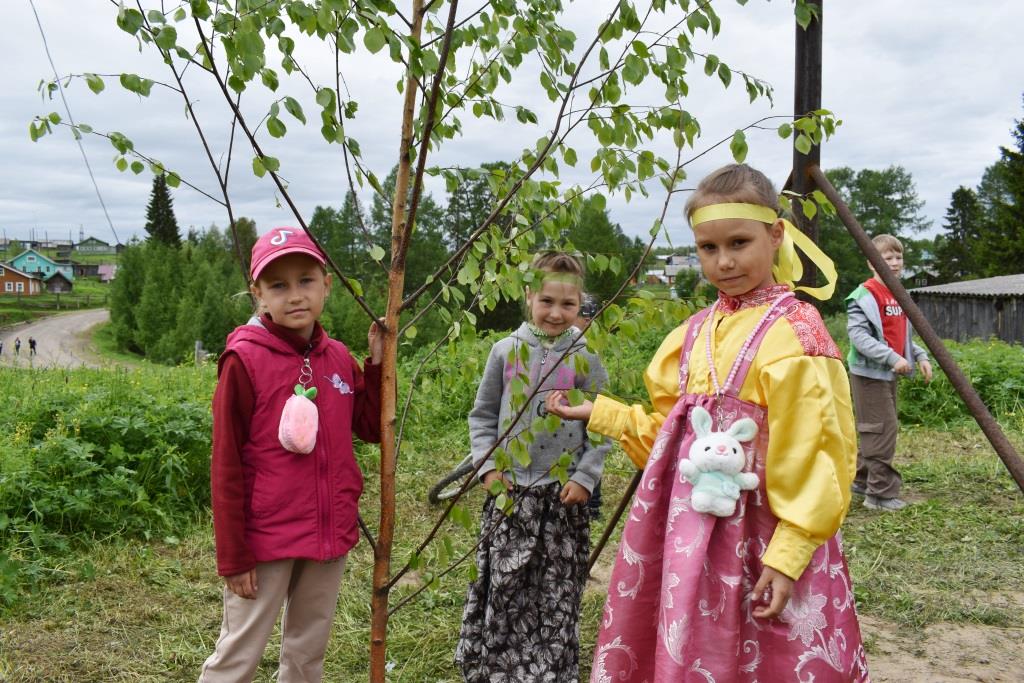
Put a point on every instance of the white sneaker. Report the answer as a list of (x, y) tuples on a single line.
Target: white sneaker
[(887, 504)]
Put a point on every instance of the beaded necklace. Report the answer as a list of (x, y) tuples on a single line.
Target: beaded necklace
[(719, 388), (548, 339)]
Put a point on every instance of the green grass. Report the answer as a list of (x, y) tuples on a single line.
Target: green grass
[(957, 546), (87, 293), (140, 601), (106, 346)]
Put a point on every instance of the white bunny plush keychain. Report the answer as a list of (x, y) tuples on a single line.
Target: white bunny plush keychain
[(716, 462)]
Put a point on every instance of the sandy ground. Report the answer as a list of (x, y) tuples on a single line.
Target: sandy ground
[(61, 340)]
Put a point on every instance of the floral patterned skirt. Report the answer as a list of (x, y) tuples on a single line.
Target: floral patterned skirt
[(521, 620)]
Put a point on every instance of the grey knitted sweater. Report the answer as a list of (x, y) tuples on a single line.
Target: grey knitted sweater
[(521, 355)]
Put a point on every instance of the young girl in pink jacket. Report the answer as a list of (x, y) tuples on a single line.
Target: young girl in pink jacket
[(284, 480)]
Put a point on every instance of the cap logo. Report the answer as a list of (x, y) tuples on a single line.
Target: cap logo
[(280, 238)]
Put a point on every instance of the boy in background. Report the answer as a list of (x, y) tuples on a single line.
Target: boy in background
[(881, 349)]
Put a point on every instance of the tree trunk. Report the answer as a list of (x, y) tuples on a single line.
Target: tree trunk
[(389, 388)]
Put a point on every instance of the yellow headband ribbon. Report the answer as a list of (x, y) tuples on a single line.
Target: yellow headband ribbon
[(788, 268)]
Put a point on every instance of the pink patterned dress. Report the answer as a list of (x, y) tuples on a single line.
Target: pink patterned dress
[(678, 607)]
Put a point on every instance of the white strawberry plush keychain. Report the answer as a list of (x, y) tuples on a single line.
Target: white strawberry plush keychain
[(300, 418)]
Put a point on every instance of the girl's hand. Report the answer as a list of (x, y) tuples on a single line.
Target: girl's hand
[(243, 585), (375, 341), (493, 476), (902, 367), (574, 494), (778, 588), (558, 404), (926, 370)]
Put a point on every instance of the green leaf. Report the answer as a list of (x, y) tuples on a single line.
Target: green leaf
[(121, 164), (138, 167), (257, 167), (180, 14), (54, 117), (785, 130), (710, 64), (725, 75), (276, 127), (272, 163), (95, 83), (166, 37), (374, 40), (410, 332), (356, 286), (269, 77), (129, 20), (809, 208), (294, 108), (173, 180), (201, 9), (326, 98), (803, 144), (738, 146)]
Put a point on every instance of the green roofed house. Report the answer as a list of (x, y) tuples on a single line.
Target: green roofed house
[(57, 283), (31, 261), (92, 245)]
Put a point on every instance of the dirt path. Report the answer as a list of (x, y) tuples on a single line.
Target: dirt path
[(61, 341)]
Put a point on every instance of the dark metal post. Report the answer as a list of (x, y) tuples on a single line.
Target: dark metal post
[(627, 498), (807, 98), (970, 397)]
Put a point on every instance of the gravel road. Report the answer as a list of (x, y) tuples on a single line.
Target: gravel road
[(61, 340)]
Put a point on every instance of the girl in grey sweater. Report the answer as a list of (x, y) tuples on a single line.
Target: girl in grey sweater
[(521, 619)]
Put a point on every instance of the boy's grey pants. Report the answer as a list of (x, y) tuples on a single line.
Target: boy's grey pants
[(874, 404)]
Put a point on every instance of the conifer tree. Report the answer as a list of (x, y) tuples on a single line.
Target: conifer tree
[(161, 224), (955, 250)]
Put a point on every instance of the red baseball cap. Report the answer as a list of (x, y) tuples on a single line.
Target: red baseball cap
[(278, 242)]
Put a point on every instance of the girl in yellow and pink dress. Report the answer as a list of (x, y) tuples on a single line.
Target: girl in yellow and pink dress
[(761, 593)]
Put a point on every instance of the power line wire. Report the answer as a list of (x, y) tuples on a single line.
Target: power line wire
[(67, 110)]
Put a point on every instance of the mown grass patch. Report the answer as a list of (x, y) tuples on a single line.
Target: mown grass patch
[(125, 588), (960, 543)]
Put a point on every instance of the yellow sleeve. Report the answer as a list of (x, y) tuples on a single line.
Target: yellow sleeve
[(632, 426), (812, 456)]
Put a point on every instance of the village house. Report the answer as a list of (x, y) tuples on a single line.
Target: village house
[(107, 271), (93, 245), (975, 309), (16, 282), (31, 261), (57, 283)]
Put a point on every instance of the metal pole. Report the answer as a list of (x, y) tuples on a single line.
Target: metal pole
[(970, 397), (807, 98), (627, 497)]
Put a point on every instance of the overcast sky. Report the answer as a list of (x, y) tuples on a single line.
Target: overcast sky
[(933, 86)]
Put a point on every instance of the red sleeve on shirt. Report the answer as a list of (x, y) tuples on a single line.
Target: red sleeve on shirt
[(232, 415), (366, 413)]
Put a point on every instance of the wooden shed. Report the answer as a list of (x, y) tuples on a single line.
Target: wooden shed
[(989, 307)]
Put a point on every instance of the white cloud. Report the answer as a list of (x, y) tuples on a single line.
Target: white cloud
[(932, 86)]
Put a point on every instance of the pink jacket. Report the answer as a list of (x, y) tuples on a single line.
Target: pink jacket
[(302, 506)]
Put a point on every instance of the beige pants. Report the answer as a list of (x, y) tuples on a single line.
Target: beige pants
[(308, 591)]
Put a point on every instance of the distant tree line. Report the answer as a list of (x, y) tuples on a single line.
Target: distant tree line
[(170, 292), (984, 227)]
